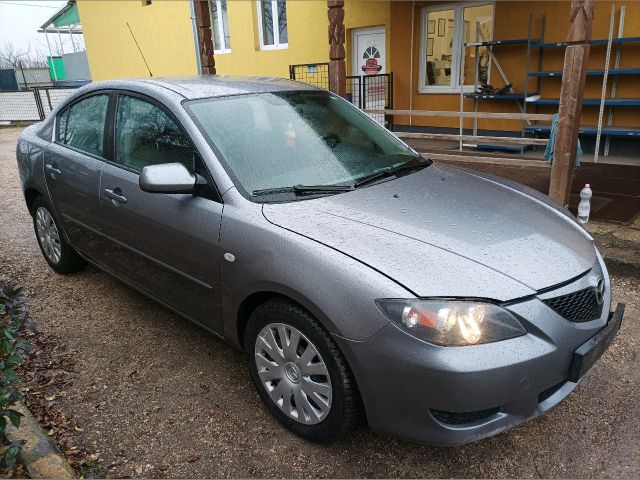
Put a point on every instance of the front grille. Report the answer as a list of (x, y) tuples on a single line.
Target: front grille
[(580, 306), (460, 418), (543, 395)]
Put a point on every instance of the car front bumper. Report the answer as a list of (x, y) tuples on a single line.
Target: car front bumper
[(455, 395)]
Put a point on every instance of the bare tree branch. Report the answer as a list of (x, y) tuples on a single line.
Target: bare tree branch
[(12, 56)]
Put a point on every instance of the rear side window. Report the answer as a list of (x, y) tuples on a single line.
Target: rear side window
[(61, 125), (146, 135), (82, 125)]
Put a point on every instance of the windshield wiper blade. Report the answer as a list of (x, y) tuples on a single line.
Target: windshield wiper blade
[(387, 172), (303, 189)]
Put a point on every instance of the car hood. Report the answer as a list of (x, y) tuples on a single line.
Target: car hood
[(443, 231)]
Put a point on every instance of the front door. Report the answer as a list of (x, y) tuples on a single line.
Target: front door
[(369, 51), (72, 170), (164, 244), (368, 60)]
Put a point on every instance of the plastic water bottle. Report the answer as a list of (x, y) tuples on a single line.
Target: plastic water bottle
[(584, 207)]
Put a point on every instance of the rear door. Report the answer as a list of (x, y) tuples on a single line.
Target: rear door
[(73, 164), (164, 244)]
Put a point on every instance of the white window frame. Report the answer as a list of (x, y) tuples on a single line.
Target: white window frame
[(276, 28), (220, 22), (458, 38)]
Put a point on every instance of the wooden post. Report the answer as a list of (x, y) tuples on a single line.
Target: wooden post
[(337, 68), (205, 39), (574, 74)]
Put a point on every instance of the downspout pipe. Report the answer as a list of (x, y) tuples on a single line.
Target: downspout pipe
[(413, 14), (194, 27)]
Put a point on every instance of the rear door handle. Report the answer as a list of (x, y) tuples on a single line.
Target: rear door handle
[(52, 170), (116, 196)]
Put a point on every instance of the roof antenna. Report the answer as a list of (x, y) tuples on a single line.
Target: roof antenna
[(140, 50)]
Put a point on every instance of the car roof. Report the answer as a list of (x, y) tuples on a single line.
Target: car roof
[(206, 86)]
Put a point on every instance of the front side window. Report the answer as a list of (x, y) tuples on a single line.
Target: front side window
[(82, 125), (220, 26), (146, 135), (279, 140), (272, 24), (445, 30)]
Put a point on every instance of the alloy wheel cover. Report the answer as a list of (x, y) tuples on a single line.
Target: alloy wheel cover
[(293, 373)]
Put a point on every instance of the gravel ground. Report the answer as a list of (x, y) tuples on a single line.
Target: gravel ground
[(156, 397)]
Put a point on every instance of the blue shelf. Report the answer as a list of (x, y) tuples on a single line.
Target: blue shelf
[(590, 73), (615, 41), (519, 41), (593, 102), (592, 130), (506, 96)]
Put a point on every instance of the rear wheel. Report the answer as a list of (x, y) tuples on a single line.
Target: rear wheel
[(56, 250), (299, 372)]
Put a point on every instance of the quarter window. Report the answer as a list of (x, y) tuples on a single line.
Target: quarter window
[(272, 24), (220, 26), (82, 125), (444, 31), (146, 135)]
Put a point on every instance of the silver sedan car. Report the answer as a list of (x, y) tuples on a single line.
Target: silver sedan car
[(365, 282)]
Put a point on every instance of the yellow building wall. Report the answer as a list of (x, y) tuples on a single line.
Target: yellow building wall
[(307, 27), (512, 21), (163, 31)]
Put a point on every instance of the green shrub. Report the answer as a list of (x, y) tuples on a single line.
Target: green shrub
[(13, 317)]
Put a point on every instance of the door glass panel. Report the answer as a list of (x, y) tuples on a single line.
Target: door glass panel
[(145, 135), (85, 124), (478, 27), (439, 47)]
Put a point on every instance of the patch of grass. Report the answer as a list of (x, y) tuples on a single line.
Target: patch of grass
[(13, 318), (609, 238)]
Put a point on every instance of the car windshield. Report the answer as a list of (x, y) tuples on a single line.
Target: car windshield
[(273, 142)]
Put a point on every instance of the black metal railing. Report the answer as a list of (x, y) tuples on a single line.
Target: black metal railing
[(364, 91)]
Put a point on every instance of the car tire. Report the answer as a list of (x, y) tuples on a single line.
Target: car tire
[(54, 247), (345, 412)]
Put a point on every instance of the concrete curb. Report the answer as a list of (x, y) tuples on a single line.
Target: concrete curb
[(39, 455)]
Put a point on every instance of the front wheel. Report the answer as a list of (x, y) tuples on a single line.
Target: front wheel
[(56, 250), (299, 372)]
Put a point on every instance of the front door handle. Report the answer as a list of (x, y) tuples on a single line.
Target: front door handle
[(52, 170), (116, 196)]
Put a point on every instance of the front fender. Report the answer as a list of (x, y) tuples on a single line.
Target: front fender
[(338, 290)]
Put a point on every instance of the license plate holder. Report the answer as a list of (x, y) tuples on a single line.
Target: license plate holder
[(589, 352)]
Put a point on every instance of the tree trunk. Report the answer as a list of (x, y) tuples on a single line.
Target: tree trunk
[(574, 74)]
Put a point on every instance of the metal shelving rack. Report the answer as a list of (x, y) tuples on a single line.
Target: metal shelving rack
[(520, 99), (609, 130), (526, 98)]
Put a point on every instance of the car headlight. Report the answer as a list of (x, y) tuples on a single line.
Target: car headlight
[(452, 322)]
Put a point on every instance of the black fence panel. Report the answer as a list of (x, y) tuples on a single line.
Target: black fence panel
[(364, 91), (354, 90), (377, 94), (313, 73), (31, 105)]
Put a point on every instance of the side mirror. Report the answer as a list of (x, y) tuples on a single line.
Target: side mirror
[(167, 178)]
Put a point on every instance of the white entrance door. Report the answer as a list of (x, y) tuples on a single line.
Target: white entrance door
[(369, 51), (369, 58)]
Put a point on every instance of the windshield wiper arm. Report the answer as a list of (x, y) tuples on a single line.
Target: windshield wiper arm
[(303, 189), (387, 172)]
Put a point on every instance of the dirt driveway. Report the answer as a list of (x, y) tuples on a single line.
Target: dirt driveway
[(155, 396)]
